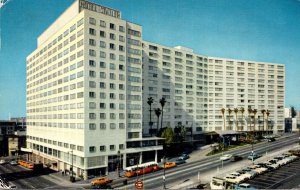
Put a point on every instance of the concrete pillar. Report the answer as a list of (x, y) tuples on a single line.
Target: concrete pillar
[(141, 158), (124, 160), (155, 158), (85, 174)]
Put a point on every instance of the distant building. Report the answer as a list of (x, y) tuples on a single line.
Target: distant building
[(291, 124), (12, 136)]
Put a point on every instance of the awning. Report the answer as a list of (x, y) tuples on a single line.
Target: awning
[(26, 150)]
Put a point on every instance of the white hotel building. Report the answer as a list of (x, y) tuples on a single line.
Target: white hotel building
[(84, 93), (89, 79)]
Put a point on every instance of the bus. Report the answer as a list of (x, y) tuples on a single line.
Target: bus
[(141, 169)]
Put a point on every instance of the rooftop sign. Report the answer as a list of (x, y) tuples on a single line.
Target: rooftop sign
[(98, 8)]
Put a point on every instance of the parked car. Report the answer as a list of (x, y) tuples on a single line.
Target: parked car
[(265, 165), (253, 156), (101, 181), (252, 172), (232, 179), (226, 157), (241, 176), (179, 161), (13, 163), (295, 152), (258, 169), (236, 158), (2, 162), (245, 173), (244, 186), (184, 157)]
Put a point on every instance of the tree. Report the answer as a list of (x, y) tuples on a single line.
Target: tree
[(229, 116), (242, 110), (293, 112), (223, 114), (150, 102), (162, 102), (263, 111), (235, 110), (157, 113), (254, 114), (168, 134), (249, 118)]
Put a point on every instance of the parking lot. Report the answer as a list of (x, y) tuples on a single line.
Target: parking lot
[(277, 178)]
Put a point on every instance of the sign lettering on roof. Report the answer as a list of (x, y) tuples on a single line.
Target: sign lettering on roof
[(98, 8)]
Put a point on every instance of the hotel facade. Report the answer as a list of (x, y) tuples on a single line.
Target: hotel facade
[(89, 79)]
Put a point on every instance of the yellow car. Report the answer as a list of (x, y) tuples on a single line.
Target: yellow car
[(169, 165), (101, 181)]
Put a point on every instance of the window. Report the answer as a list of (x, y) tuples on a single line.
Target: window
[(102, 34), (92, 115), (92, 126), (102, 75), (102, 148), (92, 52), (92, 63), (112, 46), (102, 54), (102, 65), (102, 105), (112, 66), (92, 31), (102, 125), (121, 28), (102, 23), (112, 106), (112, 76), (112, 147), (121, 48), (92, 42), (121, 146), (102, 85), (112, 26), (92, 73), (102, 44), (112, 36), (92, 94), (102, 116), (112, 96), (134, 32), (92, 149), (92, 21)]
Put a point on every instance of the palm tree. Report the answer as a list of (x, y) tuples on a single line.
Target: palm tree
[(150, 102), (223, 112), (162, 102), (254, 111), (249, 118), (229, 115), (263, 111), (242, 110), (157, 113), (267, 113), (235, 110)]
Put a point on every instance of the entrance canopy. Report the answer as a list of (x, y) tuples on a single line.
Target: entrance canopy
[(26, 150)]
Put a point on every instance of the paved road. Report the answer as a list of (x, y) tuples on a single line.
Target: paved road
[(24, 178), (186, 171)]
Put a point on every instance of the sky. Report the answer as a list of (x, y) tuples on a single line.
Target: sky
[(258, 30)]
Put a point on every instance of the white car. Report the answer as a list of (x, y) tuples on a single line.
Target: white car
[(225, 157), (241, 176), (232, 179), (2, 162), (258, 169), (247, 174)]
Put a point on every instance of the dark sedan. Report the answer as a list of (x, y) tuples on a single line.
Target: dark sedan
[(236, 158)]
